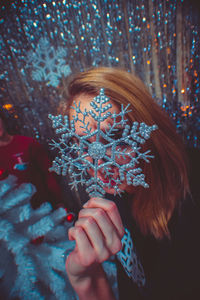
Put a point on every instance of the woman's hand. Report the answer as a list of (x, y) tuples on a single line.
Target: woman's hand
[(98, 233)]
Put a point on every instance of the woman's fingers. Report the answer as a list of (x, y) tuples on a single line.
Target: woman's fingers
[(97, 232), (95, 237), (102, 227), (111, 210), (83, 254)]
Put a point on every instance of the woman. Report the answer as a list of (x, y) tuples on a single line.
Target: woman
[(162, 219)]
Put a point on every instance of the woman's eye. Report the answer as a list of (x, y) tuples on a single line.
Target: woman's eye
[(72, 141), (118, 134)]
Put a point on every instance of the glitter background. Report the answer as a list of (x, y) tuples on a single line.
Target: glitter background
[(158, 40)]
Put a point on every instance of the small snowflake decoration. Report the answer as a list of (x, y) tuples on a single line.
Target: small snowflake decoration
[(49, 63), (78, 154)]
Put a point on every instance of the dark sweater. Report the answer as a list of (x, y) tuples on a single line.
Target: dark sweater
[(171, 267)]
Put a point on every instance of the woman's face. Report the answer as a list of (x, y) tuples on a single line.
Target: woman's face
[(85, 104)]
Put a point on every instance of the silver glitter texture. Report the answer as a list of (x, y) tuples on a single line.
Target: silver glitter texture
[(77, 154)]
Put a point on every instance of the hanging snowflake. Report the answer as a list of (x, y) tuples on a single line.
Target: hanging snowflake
[(49, 63), (78, 154)]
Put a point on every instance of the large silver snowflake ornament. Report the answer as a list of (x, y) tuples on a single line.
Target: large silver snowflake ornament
[(102, 151)]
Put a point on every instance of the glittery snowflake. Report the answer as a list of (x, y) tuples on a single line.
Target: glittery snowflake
[(117, 147), (49, 63), (33, 245)]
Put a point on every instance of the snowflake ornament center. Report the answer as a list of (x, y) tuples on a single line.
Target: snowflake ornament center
[(74, 155), (96, 150)]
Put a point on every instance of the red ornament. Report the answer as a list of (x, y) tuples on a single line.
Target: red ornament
[(38, 240), (70, 217)]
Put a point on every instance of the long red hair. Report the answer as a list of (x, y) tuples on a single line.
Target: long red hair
[(166, 174)]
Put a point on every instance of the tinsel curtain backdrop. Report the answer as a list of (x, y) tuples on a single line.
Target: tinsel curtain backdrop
[(43, 42)]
